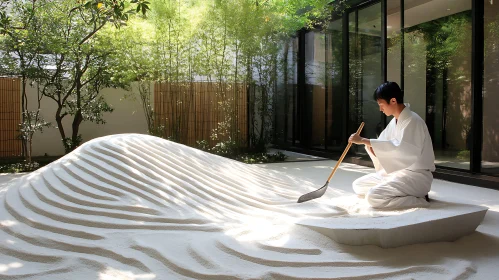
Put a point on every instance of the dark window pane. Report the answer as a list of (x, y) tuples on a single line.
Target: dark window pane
[(490, 150), (437, 74)]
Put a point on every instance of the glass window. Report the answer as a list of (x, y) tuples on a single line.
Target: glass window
[(394, 42), (334, 99), (365, 67), (315, 87), (437, 74), (284, 98), (490, 146)]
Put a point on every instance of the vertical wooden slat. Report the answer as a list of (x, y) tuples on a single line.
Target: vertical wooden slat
[(196, 119), (8, 109), (14, 112), (155, 98), (5, 121), (207, 111), (17, 116), (2, 122), (2, 116), (5, 117), (9, 106), (10, 117), (194, 110), (10, 102)]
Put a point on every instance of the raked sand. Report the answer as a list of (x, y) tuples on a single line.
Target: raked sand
[(133, 206)]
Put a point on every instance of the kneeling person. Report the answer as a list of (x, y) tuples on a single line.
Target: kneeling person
[(402, 155)]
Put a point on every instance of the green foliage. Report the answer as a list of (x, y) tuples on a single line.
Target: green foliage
[(440, 54), (32, 123), (117, 11), (437, 43), (157, 130), (463, 155), (95, 44), (445, 38), (262, 158), (59, 45), (133, 65), (71, 143), (223, 42), (231, 149), (225, 148), (203, 145), (21, 56), (19, 167), (93, 109)]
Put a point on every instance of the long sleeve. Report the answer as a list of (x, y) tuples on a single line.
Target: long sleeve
[(401, 148), (377, 165)]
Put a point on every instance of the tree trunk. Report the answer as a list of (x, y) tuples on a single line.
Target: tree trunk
[(264, 113), (78, 118), (58, 120), (24, 108), (30, 150), (76, 128)]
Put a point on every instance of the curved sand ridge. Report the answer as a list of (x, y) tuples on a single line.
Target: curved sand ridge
[(133, 206)]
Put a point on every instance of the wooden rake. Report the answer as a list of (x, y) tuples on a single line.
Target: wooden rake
[(320, 192)]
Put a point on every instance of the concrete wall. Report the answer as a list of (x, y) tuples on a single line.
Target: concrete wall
[(127, 117)]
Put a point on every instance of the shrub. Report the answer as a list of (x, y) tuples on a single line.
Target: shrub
[(19, 167)]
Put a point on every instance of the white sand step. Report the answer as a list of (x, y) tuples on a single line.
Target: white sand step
[(442, 221)]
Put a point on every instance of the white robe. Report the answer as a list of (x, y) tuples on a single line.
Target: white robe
[(403, 161)]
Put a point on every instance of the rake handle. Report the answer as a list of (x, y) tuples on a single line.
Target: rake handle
[(344, 154)]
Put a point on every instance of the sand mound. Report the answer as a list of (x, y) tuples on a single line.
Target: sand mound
[(133, 206)]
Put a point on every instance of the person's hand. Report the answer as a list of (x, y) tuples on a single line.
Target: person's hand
[(355, 138)]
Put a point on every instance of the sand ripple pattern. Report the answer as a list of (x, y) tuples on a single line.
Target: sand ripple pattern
[(133, 206)]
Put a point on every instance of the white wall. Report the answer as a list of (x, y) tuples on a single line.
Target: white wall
[(127, 117)]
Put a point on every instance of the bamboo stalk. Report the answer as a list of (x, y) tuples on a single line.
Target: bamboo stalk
[(194, 110)]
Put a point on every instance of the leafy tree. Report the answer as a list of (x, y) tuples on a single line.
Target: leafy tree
[(133, 61), (69, 40), (222, 42), (20, 55)]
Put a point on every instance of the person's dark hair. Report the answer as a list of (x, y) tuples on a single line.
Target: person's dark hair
[(388, 91)]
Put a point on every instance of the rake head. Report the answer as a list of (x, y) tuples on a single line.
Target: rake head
[(313, 195)]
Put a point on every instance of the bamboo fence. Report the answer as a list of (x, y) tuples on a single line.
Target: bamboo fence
[(190, 112), (10, 117)]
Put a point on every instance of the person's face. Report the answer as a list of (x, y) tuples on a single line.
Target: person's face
[(388, 108)]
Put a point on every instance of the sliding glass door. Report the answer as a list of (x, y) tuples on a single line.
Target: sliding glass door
[(365, 69)]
